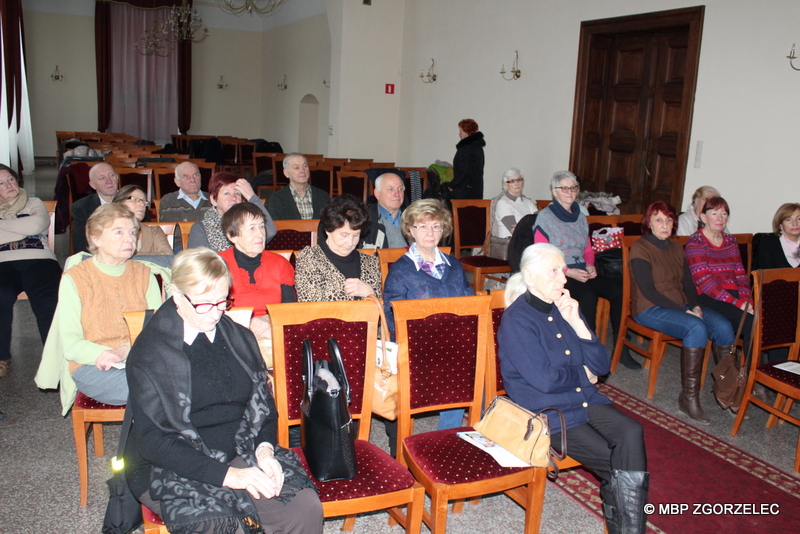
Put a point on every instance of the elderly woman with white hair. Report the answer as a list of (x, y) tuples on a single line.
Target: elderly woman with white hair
[(689, 220), (550, 359), (564, 225), (508, 209)]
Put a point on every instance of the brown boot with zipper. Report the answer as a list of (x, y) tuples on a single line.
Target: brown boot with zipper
[(689, 399)]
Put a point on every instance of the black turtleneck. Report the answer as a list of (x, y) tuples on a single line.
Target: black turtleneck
[(349, 266)]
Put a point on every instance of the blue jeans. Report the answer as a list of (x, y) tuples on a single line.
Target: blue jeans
[(694, 332), (450, 418)]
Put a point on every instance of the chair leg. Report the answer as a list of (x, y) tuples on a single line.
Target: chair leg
[(602, 315), (478, 280), (438, 520), (623, 331), (349, 523), (797, 457), (657, 350), (80, 429), (779, 401), (740, 415), (534, 501), (458, 506), (97, 430), (706, 356), (415, 510)]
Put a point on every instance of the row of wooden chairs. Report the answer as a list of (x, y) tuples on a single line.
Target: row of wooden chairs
[(455, 470)]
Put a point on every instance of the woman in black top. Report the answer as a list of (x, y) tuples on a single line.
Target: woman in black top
[(203, 450), (781, 248), (468, 162)]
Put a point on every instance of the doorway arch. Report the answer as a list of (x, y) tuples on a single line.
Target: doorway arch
[(307, 142)]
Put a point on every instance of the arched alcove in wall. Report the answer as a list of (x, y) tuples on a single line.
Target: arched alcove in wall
[(309, 125)]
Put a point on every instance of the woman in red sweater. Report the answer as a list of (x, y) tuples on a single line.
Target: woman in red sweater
[(716, 265), (260, 277)]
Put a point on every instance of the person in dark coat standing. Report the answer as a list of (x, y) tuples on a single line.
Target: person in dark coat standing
[(468, 162)]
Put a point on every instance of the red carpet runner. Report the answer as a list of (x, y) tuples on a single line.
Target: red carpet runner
[(693, 475)]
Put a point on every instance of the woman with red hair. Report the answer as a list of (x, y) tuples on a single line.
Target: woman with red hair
[(468, 162), (664, 298), (225, 190)]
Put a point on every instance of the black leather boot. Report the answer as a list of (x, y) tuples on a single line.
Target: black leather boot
[(689, 399), (630, 493), (611, 512)]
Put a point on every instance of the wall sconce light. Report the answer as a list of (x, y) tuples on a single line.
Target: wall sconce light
[(57, 76), (792, 57), (326, 83), (282, 86), (515, 72), (221, 84), (430, 77)]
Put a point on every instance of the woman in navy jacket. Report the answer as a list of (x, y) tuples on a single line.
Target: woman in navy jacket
[(550, 359)]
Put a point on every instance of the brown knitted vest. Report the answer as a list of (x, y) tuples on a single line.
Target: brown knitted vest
[(104, 298)]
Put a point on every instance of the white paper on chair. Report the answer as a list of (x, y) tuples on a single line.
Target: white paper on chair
[(500, 455), (792, 367), (240, 316)]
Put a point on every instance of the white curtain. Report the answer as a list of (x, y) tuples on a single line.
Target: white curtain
[(144, 89)]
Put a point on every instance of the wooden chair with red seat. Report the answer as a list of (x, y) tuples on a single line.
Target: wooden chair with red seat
[(471, 224), (164, 179), (294, 234), (186, 229), (262, 161), (138, 176), (442, 365), (777, 325), (321, 176), (495, 386), (382, 483)]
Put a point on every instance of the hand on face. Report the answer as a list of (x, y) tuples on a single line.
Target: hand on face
[(227, 197)]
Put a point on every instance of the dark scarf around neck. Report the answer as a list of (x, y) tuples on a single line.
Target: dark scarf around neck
[(564, 215)]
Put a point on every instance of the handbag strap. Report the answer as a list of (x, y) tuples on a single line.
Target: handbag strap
[(553, 471), (339, 372), (756, 314), (308, 368), (385, 366)]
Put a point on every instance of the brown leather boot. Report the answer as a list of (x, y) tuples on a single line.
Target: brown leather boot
[(720, 351), (689, 399)]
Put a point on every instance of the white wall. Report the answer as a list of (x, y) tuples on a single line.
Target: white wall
[(746, 107)]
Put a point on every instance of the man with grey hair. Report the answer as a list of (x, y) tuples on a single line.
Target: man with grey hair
[(299, 199), (105, 182), (188, 203), (386, 229)]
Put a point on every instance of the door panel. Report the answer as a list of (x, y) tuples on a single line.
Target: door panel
[(633, 105)]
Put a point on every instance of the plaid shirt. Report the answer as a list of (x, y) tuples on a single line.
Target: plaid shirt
[(435, 268), (303, 202)]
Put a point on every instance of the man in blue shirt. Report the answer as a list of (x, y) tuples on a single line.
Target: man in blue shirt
[(188, 203), (385, 229)]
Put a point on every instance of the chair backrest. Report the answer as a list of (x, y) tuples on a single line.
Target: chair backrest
[(294, 234), (262, 161), (778, 324), (354, 324), (278, 178), (494, 378), (627, 241), (246, 151), (135, 322), (207, 170), (745, 250), (542, 204), (165, 181), (167, 228), (353, 182), (321, 176), (442, 352), (471, 223), (186, 228), (138, 176), (382, 165), (354, 162)]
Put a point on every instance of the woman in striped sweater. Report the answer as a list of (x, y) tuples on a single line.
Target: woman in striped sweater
[(716, 266)]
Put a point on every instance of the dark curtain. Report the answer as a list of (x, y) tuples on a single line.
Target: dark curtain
[(13, 36), (103, 60)]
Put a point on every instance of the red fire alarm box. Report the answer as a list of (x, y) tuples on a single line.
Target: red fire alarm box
[(389, 88)]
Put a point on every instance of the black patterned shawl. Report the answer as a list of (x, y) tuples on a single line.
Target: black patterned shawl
[(159, 378)]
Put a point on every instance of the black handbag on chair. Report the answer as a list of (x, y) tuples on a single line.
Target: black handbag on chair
[(327, 430)]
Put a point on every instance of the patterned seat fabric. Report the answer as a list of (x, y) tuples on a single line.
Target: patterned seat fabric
[(448, 459), (442, 367), (289, 240), (786, 377), (88, 403), (472, 225), (377, 473), (352, 339), (779, 310), (150, 516)]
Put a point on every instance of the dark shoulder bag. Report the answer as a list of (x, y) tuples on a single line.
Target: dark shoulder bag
[(327, 430), (123, 513)]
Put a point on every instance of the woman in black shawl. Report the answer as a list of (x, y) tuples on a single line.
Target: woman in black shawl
[(202, 450)]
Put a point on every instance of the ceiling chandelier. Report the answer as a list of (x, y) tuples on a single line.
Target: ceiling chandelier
[(183, 24), (239, 7)]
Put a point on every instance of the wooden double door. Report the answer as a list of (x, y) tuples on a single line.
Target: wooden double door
[(633, 105)]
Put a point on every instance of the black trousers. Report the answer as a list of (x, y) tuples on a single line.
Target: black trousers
[(587, 293), (610, 440), (39, 279)]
